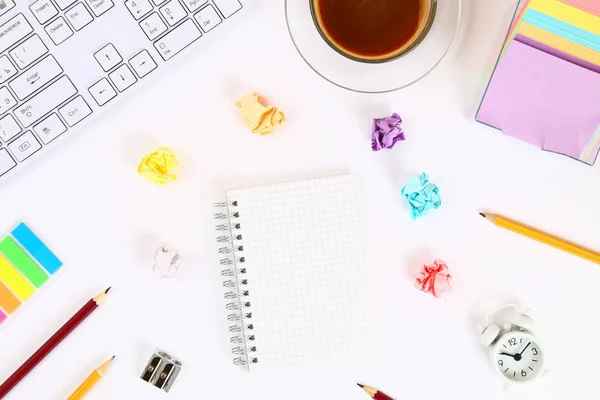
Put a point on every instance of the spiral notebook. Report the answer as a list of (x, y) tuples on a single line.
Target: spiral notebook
[(295, 271)]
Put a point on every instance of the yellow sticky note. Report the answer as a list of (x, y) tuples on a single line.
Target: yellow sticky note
[(560, 43), (569, 14), (158, 166), (257, 116), (14, 280)]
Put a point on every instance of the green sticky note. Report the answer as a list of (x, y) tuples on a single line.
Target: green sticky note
[(21, 261)]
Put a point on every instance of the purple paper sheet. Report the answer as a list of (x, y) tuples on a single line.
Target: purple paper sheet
[(546, 101), (557, 53)]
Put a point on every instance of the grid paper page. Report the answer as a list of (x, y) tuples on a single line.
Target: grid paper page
[(307, 275)]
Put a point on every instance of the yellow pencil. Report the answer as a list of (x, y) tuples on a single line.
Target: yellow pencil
[(91, 381), (543, 237)]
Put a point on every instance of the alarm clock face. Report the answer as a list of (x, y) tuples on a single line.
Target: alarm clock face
[(518, 356)]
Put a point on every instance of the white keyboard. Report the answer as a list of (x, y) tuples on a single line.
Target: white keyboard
[(64, 61)]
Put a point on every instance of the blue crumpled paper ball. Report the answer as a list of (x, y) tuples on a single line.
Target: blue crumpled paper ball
[(422, 195)]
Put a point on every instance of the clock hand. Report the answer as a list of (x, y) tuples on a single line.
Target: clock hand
[(506, 354), (523, 351)]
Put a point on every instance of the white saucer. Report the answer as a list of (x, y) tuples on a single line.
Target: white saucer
[(372, 77)]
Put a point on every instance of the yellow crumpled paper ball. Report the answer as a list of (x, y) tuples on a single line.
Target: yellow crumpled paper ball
[(257, 116), (158, 166)]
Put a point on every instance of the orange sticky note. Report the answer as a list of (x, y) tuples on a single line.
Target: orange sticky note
[(8, 301)]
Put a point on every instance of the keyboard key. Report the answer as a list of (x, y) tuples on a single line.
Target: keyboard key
[(177, 40), (64, 3), (7, 69), (6, 162), (173, 12), (228, 7), (43, 10), (208, 18), (138, 8), (76, 110), (79, 16), (59, 31), (24, 146), (158, 2), (35, 77), (7, 101), (122, 77), (8, 128), (99, 7), (102, 91), (43, 102), (193, 5), (153, 26), (6, 5), (13, 31), (28, 51), (108, 57), (142, 63), (50, 128)]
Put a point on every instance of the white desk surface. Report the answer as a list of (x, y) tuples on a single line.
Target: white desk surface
[(88, 201)]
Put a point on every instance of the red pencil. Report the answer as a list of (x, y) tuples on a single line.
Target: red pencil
[(51, 343), (374, 393)]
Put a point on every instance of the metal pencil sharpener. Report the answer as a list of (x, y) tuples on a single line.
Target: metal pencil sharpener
[(162, 370)]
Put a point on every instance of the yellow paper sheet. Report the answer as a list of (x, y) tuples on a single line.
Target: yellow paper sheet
[(569, 14), (560, 43)]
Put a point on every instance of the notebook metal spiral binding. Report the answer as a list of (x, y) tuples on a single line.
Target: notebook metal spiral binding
[(239, 304)]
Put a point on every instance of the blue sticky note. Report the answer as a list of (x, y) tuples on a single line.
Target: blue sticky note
[(562, 29), (34, 246)]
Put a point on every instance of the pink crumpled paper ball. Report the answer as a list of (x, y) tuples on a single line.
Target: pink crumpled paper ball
[(434, 279)]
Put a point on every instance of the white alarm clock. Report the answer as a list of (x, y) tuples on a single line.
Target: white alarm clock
[(516, 354)]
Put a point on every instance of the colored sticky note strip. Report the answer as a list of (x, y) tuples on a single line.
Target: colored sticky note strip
[(34, 246), (516, 25), (517, 21), (8, 301), (2, 317), (571, 15), (560, 43), (21, 260), (591, 6), (562, 28), (557, 53), (14, 280)]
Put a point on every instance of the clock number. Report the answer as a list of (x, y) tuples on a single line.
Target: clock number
[(534, 350), (500, 363), (512, 342), (523, 373)]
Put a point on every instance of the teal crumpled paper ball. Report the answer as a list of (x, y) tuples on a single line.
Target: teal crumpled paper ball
[(422, 195)]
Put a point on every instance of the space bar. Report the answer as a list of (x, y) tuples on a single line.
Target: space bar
[(45, 101)]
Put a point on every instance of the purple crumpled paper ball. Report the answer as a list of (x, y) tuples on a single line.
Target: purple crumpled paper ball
[(386, 132)]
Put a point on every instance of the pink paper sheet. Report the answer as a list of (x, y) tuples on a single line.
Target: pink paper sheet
[(591, 6)]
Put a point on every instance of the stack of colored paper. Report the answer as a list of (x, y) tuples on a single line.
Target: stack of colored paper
[(545, 89), (26, 264)]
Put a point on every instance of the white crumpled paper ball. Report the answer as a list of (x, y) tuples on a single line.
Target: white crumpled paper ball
[(166, 262)]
